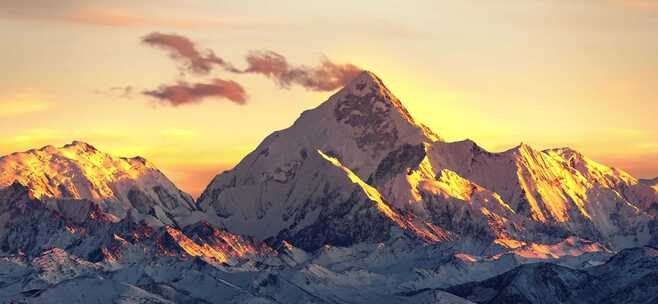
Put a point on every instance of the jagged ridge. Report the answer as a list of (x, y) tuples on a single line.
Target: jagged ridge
[(81, 172)]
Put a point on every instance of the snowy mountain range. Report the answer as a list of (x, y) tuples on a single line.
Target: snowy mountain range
[(356, 202)]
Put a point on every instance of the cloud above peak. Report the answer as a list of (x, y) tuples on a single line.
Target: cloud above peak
[(184, 93), (326, 76), (183, 50)]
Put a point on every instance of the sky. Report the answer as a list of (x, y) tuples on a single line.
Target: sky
[(194, 86)]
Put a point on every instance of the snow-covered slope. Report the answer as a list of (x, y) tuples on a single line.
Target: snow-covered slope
[(285, 185), (557, 188), (358, 125), (520, 195), (531, 283), (628, 277), (29, 227), (411, 182), (79, 254), (79, 171), (325, 204)]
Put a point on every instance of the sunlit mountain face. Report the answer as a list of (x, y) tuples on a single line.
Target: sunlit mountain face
[(329, 152), (356, 202), (194, 86)]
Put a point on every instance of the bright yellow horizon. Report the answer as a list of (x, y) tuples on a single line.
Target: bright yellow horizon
[(548, 73)]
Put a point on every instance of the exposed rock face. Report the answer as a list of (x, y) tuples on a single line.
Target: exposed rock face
[(377, 117)]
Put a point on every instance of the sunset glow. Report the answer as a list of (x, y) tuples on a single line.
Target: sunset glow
[(249, 151), (582, 74)]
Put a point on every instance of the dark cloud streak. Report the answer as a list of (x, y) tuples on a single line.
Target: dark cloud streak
[(328, 76), (183, 93), (182, 49)]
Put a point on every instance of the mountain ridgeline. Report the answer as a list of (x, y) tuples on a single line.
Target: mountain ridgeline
[(356, 202), (287, 189)]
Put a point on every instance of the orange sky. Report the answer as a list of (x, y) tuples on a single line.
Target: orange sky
[(549, 73)]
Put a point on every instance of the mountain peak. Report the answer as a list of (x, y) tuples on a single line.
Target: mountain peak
[(522, 147), (358, 126), (81, 145), (80, 171), (368, 92), (366, 79), (377, 121), (366, 103)]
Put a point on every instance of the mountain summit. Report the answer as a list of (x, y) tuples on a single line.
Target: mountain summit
[(359, 125), (79, 171), (367, 104), (463, 190), (324, 156)]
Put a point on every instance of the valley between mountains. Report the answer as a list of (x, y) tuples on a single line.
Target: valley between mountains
[(356, 202)]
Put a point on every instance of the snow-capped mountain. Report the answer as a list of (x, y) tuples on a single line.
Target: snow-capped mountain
[(549, 193), (566, 189), (29, 226), (77, 253), (460, 189), (306, 183), (356, 202), (119, 186)]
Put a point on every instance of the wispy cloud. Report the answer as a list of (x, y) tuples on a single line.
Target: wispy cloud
[(182, 49), (183, 93), (326, 76)]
